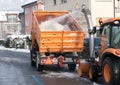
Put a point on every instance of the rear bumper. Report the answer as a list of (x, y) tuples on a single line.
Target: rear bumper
[(49, 60)]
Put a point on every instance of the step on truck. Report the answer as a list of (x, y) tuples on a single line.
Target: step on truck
[(52, 45)]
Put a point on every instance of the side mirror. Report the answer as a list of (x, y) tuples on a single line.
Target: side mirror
[(93, 31)]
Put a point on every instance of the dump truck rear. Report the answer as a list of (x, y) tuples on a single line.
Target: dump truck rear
[(55, 42)]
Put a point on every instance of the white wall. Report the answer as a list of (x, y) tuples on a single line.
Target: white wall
[(101, 8)]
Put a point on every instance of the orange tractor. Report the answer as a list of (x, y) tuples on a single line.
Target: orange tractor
[(106, 61)]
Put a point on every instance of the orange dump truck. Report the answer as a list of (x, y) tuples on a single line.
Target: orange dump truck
[(52, 46)]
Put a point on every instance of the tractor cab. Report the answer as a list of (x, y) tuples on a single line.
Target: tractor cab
[(110, 33)]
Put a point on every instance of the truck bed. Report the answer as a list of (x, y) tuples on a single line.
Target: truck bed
[(56, 41)]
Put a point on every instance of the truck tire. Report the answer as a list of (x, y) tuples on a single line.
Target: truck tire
[(93, 73), (111, 71), (71, 67), (32, 54), (38, 66)]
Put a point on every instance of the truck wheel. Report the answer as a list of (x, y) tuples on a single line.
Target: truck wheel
[(32, 54), (38, 66), (111, 71), (93, 73), (71, 67)]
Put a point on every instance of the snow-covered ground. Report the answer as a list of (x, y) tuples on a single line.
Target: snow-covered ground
[(51, 74), (69, 75), (62, 74), (14, 49)]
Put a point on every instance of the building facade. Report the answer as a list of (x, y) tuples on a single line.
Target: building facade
[(64, 4), (28, 10), (104, 9), (9, 23), (22, 21), (99, 8)]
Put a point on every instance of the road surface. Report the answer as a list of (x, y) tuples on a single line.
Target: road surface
[(15, 69)]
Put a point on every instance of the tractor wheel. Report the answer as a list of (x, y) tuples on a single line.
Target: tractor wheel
[(93, 73), (38, 66), (71, 67), (32, 54), (111, 71)]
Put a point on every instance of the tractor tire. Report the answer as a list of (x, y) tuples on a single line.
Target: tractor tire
[(71, 67), (38, 66), (111, 71), (32, 54), (93, 73)]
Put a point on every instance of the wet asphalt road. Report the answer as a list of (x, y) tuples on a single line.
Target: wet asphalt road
[(15, 69)]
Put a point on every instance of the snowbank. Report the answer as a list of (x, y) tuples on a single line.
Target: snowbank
[(13, 49), (62, 75), (69, 75)]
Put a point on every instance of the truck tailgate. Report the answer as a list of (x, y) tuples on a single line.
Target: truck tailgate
[(61, 41)]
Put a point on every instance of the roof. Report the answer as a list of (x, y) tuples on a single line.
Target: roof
[(29, 4), (111, 20), (3, 14)]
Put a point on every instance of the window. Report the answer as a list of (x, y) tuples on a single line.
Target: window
[(63, 1), (118, 7), (27, 23), (12, 28), (106, 32), (54, 1), (12, 18), (116, 36), (26, 10), (34, 7)]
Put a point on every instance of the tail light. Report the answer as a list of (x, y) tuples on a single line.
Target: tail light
[(61, 61)]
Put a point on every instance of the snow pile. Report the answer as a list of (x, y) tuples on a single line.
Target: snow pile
[(51, 25), (69, 75), (62, 75), (95, 83), (61, 23), (12, 37)]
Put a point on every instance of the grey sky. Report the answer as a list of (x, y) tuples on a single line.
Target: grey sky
[(13, 5)]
